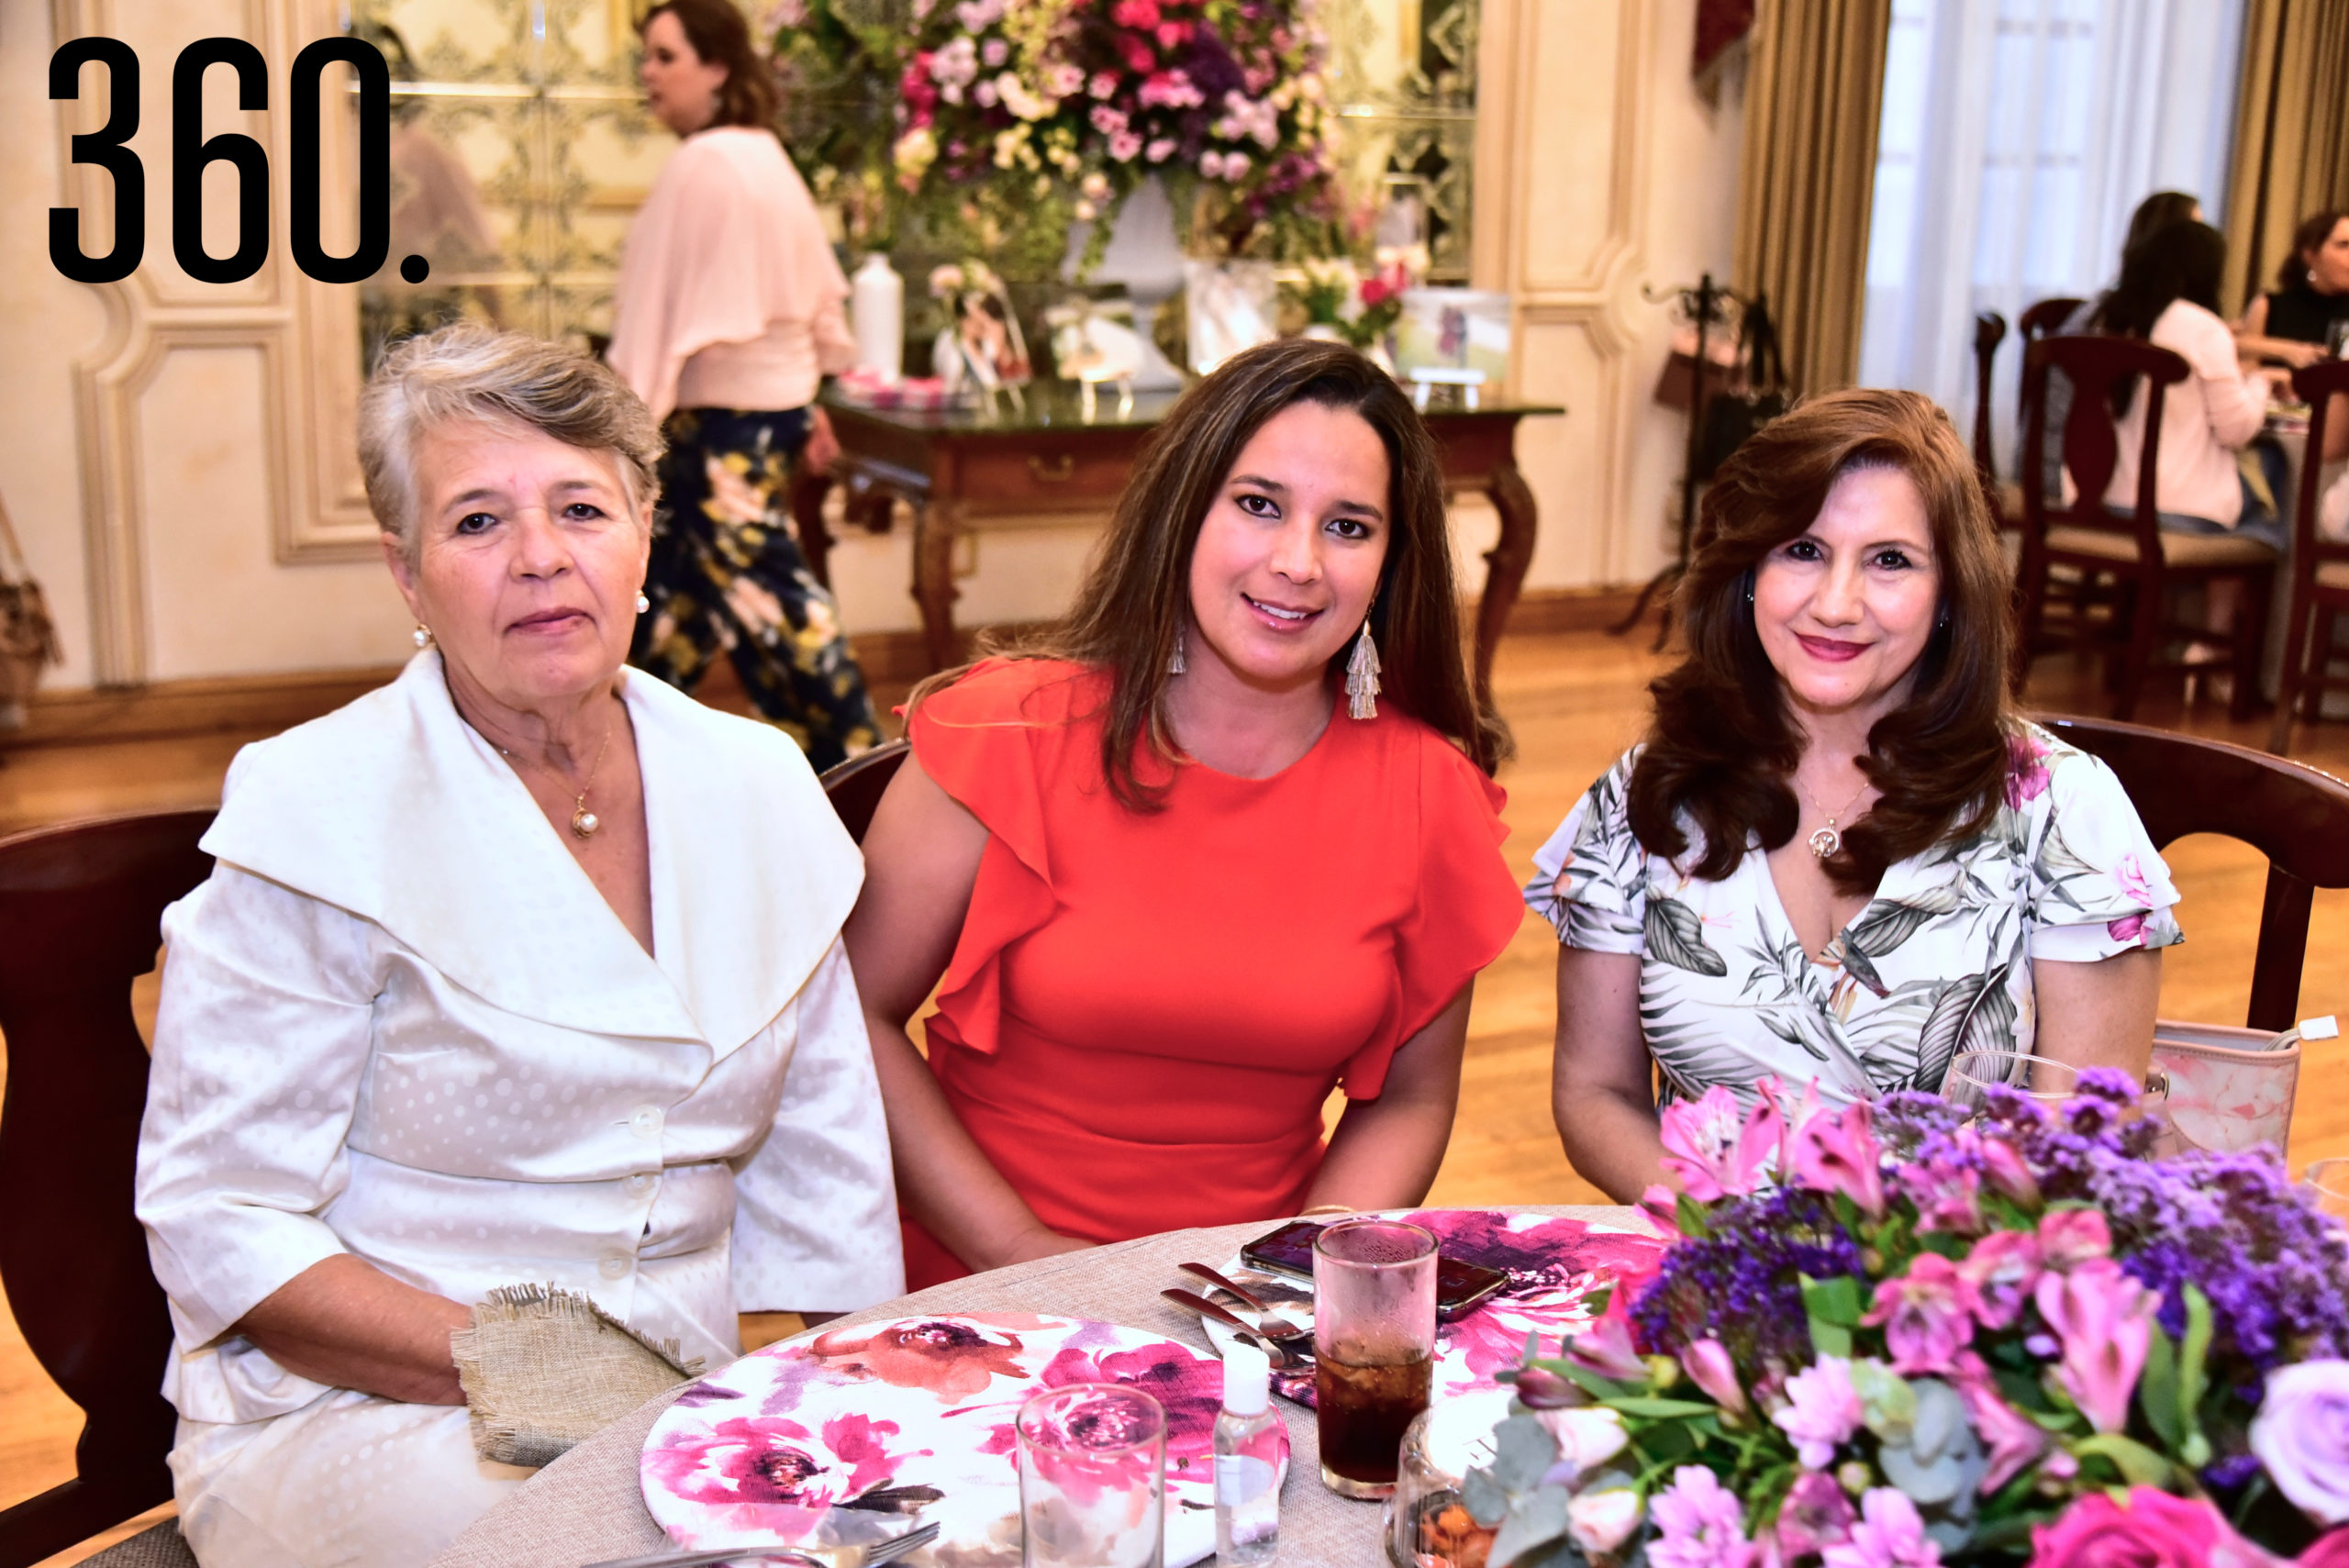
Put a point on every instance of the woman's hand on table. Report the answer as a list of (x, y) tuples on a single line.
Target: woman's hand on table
[(348, 1324)]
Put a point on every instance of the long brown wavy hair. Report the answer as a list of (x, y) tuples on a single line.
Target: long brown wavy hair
[(720, 34), (1724, 746), (1138, 593)]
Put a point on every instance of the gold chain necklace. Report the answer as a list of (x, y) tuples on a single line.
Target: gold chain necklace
[(1827, 841), (583, 822)]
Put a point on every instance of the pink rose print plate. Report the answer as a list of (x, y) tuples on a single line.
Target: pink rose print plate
[(911, 1420), (1553, 1263)]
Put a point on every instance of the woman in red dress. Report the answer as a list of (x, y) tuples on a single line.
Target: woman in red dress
[(1188, 862)]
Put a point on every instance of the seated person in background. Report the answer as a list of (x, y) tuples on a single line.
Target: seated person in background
[(2291, 322), (1218, 843), (1838, 857), (514, 970)]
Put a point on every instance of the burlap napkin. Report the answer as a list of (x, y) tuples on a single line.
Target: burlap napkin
[(544, 1369)]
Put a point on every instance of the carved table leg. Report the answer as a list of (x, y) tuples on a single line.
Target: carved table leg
[(934, 589), (1505, 565), (808, 492)]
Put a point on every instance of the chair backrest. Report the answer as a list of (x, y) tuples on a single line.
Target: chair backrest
[(2319, 384), (2046, 317), (2295, 815), (855, 786), (2091, 447), (79, 908), (1989, 331)]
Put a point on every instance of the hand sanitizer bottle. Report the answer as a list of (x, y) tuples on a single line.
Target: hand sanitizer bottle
[(1247, 1439)]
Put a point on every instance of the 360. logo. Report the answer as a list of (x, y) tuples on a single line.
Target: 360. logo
[(108, 148)]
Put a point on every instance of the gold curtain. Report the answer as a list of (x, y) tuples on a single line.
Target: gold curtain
[(2291, 134), (1808, 175)]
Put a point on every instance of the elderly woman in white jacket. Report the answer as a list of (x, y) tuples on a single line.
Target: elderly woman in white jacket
[(516, 970)]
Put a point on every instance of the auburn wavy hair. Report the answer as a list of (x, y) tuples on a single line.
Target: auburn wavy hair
[(1138, 593), (718, 34), (1723, 745)]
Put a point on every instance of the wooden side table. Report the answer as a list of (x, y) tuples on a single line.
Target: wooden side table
[(962, 470)]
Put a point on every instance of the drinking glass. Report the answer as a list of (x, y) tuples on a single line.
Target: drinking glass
[(2327, 1182), (1428, 1524), (1093, 1478), (1374, 1347), (1973, 1073), (2336, 338)]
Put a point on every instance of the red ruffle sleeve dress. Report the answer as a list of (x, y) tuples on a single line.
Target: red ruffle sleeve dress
[(1146, 1010)]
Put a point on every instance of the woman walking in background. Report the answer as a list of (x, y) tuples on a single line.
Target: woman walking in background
[(728, 315)]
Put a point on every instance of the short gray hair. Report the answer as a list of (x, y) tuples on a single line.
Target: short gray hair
[(470, 372)]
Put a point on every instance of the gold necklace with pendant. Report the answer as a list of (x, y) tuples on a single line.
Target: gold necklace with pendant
[(1826, 840), (583, 822)]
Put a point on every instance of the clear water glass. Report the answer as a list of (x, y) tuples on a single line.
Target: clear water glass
[(1974, 1073), (1093, 1478), (1374, 1347), (2327, 1182)]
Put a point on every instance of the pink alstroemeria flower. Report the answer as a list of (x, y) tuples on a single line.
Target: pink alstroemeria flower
[(2003, 1268), (1662, 1206), (1710, 1367), (2070, 1235), (2009, 1172), (1605, 1347), (1927, 1315), (2016, 1441), (1822, 1410), (2105, 1320), (1815, 1515), (1948, 1195), (1890, 1534), (1839, 1154), (1715, 1149)]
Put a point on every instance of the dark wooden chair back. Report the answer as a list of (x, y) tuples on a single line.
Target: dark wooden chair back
[(2296, 816), (79, 908), (2319, 384), (1989, 331), (855, 786), (2095, 367), (2046, 317)]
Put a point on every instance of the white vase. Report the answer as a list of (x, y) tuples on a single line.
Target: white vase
[(877, 316)]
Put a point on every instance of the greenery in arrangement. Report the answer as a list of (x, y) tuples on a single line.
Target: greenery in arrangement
[(1889, 1338), (1012, 120), (1361, 311)]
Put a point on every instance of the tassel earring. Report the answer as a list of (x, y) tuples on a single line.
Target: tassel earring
[(1175, 665), (1361, 675), (423, 635)]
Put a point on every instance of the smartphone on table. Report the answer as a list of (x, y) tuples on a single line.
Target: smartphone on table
[(1460, 1286)]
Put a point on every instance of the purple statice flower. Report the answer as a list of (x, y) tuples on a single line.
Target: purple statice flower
[(1916, 1126), (1741, 1285)]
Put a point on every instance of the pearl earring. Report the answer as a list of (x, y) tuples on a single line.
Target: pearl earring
[(423, 635), (642, 604)]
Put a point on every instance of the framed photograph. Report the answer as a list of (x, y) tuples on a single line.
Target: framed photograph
[(981, 349), (1462, 332), (1231, 306)]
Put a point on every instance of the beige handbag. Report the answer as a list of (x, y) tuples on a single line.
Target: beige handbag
[(2230, 1088), (28, 636)]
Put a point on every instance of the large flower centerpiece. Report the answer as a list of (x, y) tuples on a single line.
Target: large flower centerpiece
[(1014, 118), (1888, 1337)]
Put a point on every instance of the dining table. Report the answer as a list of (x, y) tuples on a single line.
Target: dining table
[(588, 1506)]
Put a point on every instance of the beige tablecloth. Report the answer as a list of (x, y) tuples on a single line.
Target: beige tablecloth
[(587, 1507)]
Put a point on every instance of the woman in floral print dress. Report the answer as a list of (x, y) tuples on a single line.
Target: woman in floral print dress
[(728, 315), (1839, 858)]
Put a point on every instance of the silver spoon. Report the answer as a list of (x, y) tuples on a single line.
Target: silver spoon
[(1191, 1301), (1268, 1322)]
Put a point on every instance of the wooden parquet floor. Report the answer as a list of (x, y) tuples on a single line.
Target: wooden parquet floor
[(1576, 701)]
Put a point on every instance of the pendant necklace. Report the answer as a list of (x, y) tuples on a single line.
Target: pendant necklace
[(1827, 841), (583, 822)]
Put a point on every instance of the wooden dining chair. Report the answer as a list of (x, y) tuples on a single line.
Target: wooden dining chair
[(855, 787), (2129, 549), (2295, 815), (1989, 331), (79, 908), (2319, 568)]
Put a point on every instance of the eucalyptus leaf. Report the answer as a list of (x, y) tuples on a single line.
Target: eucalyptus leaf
[(1534, 1519), (1522, 1449), (1487, 1498)]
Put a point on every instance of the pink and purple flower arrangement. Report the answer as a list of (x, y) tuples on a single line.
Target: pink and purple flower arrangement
[(1888, 1337)]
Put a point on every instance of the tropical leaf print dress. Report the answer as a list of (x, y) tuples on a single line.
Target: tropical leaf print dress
[(1938, 962)]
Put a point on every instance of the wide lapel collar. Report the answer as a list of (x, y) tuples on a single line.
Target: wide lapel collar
[(398, 811), (752, 873)]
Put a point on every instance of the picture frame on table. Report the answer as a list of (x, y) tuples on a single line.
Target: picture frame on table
[(981, 350), (1453, 336), (1229, 306)]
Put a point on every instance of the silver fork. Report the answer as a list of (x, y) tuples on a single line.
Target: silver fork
[(855, 1556)]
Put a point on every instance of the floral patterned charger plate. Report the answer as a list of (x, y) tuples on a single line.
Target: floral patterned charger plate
[(1553, 1263), (913, 1417)]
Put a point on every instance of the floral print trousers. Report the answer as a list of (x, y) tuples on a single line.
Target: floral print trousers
[(727, 577)]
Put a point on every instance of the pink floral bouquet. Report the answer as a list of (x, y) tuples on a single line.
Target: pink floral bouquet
[(1887, 1337)]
